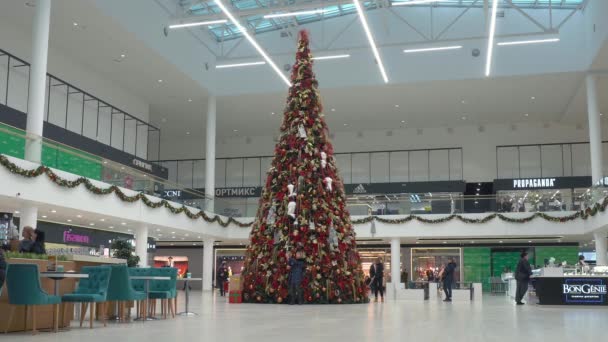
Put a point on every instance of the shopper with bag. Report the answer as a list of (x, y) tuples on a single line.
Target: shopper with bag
[(376, 272), (447, 275)]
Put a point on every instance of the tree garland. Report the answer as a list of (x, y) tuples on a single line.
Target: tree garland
[(70, 184)]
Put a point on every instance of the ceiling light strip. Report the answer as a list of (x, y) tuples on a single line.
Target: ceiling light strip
[(491, 37), (199, 23), (370, 38), (523, 42), (225, 66), (294, 14), (413, 2), (330, 57), (252, 41), (443, 48)]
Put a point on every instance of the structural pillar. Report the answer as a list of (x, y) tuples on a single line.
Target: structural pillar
[(28, 217), (141, 245), (601, 248), (210, 154), (208, 264), (35, 103), (396, 263), (595, 129)]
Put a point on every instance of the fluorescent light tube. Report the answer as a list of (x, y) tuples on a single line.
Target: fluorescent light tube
[(434, 49), (330, 57), (225, 66), (253, 42), (370, 38), (199, 23), (293, 14), (491, 38), (413, 2), (535, 41)]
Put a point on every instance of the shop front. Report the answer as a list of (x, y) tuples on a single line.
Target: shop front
[(543, 194), (575, 290)]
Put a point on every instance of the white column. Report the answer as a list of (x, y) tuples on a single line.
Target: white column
[(210, 154), (396, 262), (28, 217), (141, 244), (601, 247), (208, 265), (595, 129), (35, 104)]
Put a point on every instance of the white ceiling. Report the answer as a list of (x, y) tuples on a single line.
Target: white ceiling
[(499, 100)]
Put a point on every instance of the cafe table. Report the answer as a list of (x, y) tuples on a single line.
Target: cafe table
[(146, 280), (187, 289), (57, 276)]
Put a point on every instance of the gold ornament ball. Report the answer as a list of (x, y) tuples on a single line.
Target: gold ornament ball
[(271, 290), (280, 300), (339, 300)]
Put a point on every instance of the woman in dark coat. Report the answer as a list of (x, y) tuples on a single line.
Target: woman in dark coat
[(222, 276), (376, 272)]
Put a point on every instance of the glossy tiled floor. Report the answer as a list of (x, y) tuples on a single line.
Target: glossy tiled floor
[(494, 319)]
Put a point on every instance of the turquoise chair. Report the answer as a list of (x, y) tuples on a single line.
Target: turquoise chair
[(164, 290), (120, 288), (138, 284), (23, 286), (91, 290)]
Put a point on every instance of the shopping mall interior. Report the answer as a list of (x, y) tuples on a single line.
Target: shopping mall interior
[(303, 170)]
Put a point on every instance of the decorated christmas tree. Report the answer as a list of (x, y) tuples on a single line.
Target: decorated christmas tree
[(303, 208)]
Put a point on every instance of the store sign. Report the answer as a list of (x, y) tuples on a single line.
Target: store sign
[(403, 188), (542, 183), (359, 189), (539, 183), (172, 193), (69, 237), (239, 192), (142, 165), (584, 291)]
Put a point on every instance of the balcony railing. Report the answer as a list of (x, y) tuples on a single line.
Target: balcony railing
[(76, 110)]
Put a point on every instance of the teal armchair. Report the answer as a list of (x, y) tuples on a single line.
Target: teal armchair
[(23, 286), (165, 290), (120, 288), (91, 290)]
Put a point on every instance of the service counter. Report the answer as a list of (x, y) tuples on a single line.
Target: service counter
[(44, 313), (571, 290)]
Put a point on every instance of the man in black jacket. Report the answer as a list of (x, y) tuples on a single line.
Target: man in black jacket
[(448, 279), (376, 272), (522, 275)]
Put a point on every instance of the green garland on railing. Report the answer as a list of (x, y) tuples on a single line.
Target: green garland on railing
[(33, 173)]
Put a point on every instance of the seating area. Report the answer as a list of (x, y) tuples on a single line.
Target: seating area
[(102, 291)]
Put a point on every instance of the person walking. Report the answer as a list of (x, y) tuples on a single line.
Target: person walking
[(2, 267), (522, 275), (448, 279), (376, 272), (222, 276), (296, 273)]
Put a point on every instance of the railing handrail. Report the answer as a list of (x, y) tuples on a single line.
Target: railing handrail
[(335, 153), (4, 52)]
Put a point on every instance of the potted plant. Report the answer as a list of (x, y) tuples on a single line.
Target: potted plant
[(124, 250)]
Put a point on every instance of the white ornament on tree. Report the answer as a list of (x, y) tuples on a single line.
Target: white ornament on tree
[(272, 215), (323, 159), (291, 209), (328, 182), (302, 132), (332, 239), (290, 189)]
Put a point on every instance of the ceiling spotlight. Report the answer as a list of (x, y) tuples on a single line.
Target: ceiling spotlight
[(442, 48), (333, 109), (500, 241), (491, 37), (370, 39), (111, 227), (172, 232), (226, 66), (272, 113), (187, 133), (123, 55), (345, 124), (412, 2), (235, 130), (533, 98), (396, 106), (189, 100), (91, 224), (294, 14), (160, 81), (199, 23), (17, 212), (402, 121), (463, 102), (75, 24), (330, 57), (68, 220), (526, 114), (79, 216), (523, 42), (129, 230), (529, 241), (53, 211), (123, 223), (464, 117), (102, 220), (252, 41), (43, 216)]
